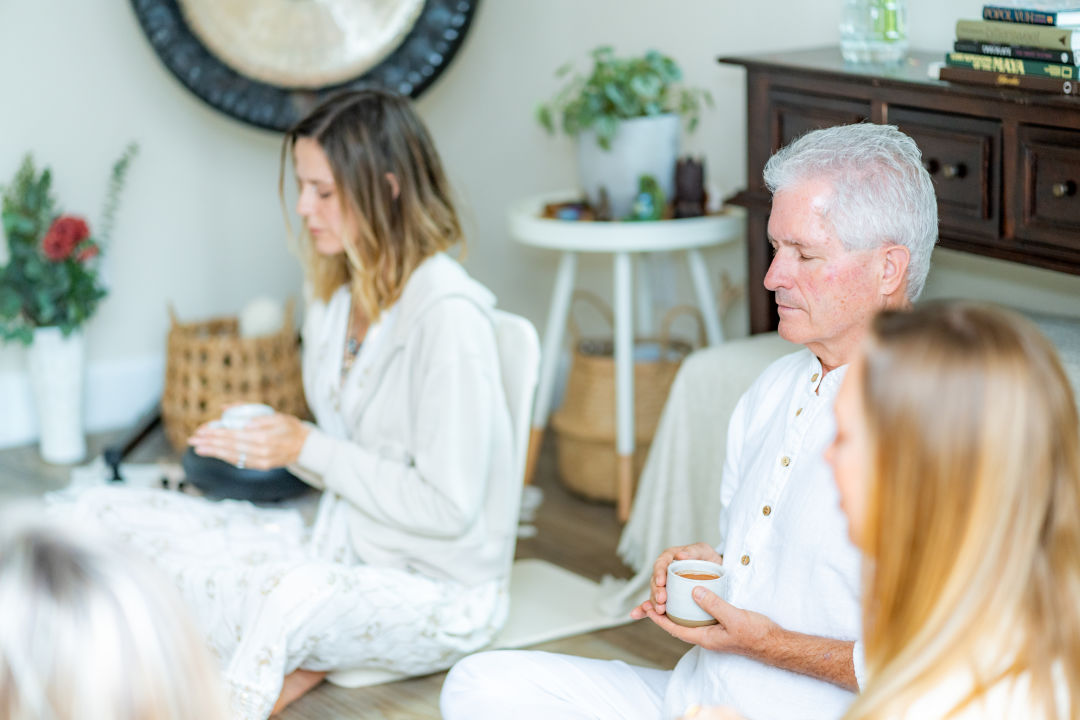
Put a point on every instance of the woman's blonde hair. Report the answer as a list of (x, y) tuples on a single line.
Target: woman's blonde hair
[(973, 509), (367, 134), (88, 632)]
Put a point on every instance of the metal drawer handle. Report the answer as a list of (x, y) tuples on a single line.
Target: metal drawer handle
[(1063, 189), (951, 171)]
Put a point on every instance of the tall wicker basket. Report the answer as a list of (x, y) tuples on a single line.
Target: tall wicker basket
[(585, 423), (208, 365)]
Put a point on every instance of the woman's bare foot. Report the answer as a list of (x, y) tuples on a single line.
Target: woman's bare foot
[(296, 684)]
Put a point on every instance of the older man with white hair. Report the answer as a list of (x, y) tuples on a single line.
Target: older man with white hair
[(853, 224)]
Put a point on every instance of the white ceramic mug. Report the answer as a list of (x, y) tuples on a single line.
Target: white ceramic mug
[(682, 577), (238, 416)]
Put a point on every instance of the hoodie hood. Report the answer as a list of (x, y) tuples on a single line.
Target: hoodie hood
[(438, 278)]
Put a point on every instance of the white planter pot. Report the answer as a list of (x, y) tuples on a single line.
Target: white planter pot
[(642, 146), (57, 369)]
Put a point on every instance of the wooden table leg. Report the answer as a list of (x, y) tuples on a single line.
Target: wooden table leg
[(624, 384), (624, 496), (549, 355), (536, 439)]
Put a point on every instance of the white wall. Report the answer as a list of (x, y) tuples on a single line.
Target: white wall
[(199, 225)]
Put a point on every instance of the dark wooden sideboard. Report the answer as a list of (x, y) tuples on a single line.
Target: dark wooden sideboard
[(1005, 162)]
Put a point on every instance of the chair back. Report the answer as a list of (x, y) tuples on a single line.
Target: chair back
[(519, 361), (519, 364)]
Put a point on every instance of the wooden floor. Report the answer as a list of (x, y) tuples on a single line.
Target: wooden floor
[(577, 535)]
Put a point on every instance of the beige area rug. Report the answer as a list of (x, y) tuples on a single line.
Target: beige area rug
[(547, 602)]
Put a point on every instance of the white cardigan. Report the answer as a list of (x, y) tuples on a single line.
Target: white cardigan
[(414, 447)]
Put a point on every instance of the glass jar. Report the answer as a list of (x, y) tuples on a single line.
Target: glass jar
[(874, 31)]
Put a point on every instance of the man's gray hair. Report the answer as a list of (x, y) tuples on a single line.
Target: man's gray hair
[(881, 191)]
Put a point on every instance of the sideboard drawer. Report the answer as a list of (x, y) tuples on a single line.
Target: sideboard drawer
[(1049, 168), (963, 156), (793, 114)]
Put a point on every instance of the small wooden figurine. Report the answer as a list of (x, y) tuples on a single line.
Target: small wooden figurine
[(689, 188)]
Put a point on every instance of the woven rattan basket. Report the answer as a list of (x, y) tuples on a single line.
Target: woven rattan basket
[(585, 423), (208, 365)]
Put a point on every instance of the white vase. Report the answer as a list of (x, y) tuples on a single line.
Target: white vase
[(641, 146), (56, 374)]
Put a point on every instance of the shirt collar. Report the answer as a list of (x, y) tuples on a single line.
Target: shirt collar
[(819, 380)]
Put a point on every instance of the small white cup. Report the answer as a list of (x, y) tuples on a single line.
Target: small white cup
[(681, 608), (238, 416)]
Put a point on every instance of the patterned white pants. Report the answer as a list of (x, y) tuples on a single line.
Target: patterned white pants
[(267, 606)]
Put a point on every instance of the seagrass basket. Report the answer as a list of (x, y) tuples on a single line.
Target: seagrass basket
[(585, 423), (208, 365)]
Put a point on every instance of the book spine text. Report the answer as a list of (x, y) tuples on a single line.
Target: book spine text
[(1013, 66), (1065, 57), (1018, 15), (1002, 33)]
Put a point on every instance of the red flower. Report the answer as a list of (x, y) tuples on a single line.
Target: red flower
[(66, 232), (90, 250)]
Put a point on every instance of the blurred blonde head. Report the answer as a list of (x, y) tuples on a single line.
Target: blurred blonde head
[(90, 633), (366, 136), (972, 521)]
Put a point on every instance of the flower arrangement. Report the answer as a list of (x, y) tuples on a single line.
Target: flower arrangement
[(51, 278)]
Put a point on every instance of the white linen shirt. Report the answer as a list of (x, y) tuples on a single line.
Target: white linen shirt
[(785, 545)]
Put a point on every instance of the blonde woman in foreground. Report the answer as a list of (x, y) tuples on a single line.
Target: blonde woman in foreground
[(90, 633), (958, 466)]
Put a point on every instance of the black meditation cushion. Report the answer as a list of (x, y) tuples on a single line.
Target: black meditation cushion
[(219, 479)]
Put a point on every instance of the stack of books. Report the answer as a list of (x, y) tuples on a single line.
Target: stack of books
[(1033, 48)]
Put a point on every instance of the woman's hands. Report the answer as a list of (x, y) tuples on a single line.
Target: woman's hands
[(265, 442)]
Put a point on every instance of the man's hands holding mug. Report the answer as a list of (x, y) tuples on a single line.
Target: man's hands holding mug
[(736, 631), (658, 585)]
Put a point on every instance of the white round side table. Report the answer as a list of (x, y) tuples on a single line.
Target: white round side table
[(623, 240)]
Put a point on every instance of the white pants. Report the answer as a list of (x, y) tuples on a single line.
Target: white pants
[(268, 606), (530, 685)]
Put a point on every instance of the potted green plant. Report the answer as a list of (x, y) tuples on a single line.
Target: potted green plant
[(625, 114)]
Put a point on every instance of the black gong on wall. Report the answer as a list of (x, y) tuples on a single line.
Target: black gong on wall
[(266, 62)]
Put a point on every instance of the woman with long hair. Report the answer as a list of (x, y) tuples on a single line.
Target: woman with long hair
[(406, 567), (957, 457)]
